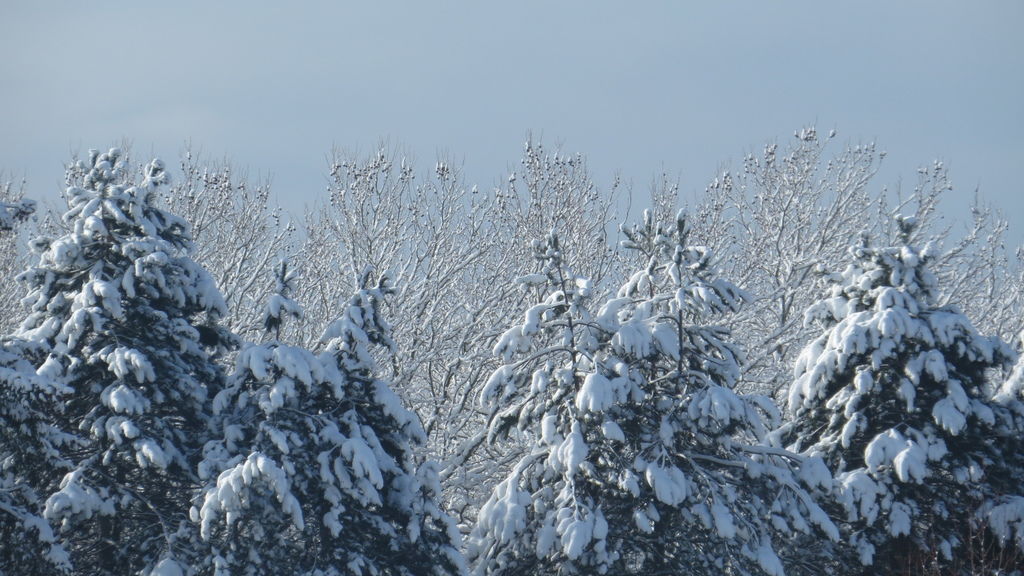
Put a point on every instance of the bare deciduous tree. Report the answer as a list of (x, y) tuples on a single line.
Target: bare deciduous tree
[(14, 209), (239, 236)]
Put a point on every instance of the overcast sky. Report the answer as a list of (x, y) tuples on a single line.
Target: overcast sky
[(637, 87)]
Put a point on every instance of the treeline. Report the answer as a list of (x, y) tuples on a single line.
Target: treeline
[(423, 377)]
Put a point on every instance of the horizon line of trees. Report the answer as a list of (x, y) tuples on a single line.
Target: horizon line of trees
[(425, 378)]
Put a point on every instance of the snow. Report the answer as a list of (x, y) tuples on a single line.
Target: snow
[(128, 362), (908, 392), (863, 382), (571, 452), (277, 438), (228, 497), (768, 560), (504, 515), (643, 521), (124, 400), (596, 394), (149, 453), (899, 519), (630, 483), (911, 463), (860, 492), (723, 520), (1005, 517), (119, 428), (855, 424), (719, 404), (669, 483), (948, 415), (363, 461), (667, 339), (167, 567), (549, 430), (500, 381), (865, 550), (531, 323), (935, 366), (633, 339), (608, 317), (75, 498), (883, 448), (277, 394), (600, 525), (576, 533), (814, 473), (545, 540), (612, 431), (532, 280)]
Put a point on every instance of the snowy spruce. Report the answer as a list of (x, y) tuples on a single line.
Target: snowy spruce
[(121, 308), (643, 458), (894, 395), (315, 474), (168, 408), (31, 453)]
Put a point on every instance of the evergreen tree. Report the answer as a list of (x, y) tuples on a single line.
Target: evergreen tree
[(893, 394), (643, 458), (30, 449), (315, 474), (30, 453), (124, 313), (1002, 511)]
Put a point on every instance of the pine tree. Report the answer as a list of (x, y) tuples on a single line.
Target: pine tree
[(642, 459), (30, 453), (124, 313), (893, 395), (315, 474), (30, 449), (1002, 511)]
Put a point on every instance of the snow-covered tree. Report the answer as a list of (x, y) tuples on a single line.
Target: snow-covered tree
[(30, 455), (1002, 511), (129, 321), (893, 394), (315, 473), (643, 458), (14, 210), (30, 448)]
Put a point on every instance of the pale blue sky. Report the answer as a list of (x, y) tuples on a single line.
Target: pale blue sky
[(637, 87)]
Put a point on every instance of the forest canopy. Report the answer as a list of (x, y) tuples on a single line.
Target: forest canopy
[(797, 372)]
